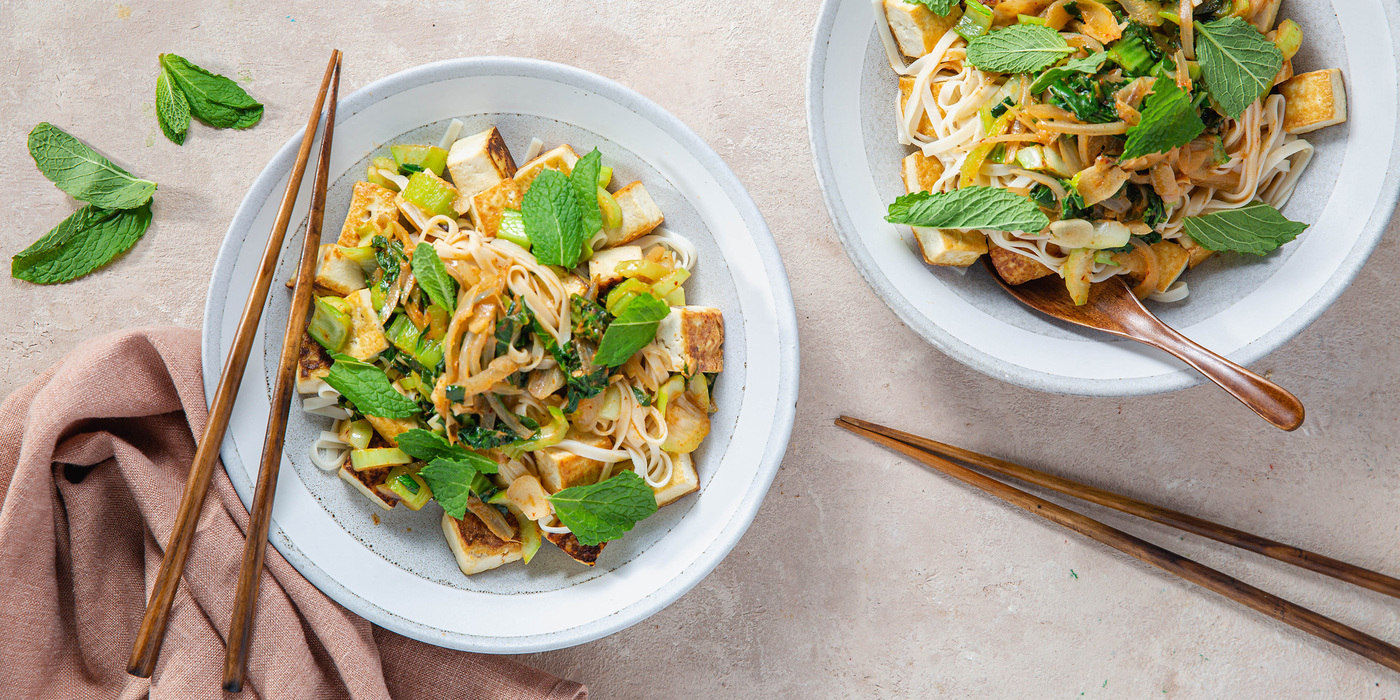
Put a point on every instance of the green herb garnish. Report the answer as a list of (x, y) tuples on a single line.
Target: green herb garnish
[(631, 330), (552, 220), (974, 207), (210, 97), (83, 173), (369, 389), (1257, 228), (604, 511), (1237, 62), (85, 241), (1020, 48), (432, 276), (1168, 120)]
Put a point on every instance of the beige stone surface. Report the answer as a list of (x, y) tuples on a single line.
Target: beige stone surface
[(862, 575)]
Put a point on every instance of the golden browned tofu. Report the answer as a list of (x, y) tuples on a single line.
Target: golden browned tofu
[(640, 215), (1196, 253), (561, 469), (1265, 13), (1015, 268), (488, 206), (337, 273), (367, 482), (477, 163), (693, 339), (476, 548), (1284, 72), (921, 172), (367, 338), (583, 554), (906, 88), (313, 363), (683, 481), (1313, 101), (370, 203), (602, 267), (391, 428), (1172, 260), (561, 159), (916, 28), (949, 247)]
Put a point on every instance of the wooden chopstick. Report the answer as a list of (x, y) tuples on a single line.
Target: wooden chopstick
[(149, 637), (1271, 605), (1287, 553), (245, 602)]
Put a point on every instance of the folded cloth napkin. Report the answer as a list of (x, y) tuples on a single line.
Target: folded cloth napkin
[(93, 459)]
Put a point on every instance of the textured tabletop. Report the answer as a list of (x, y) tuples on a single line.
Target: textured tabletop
[(862, 575)]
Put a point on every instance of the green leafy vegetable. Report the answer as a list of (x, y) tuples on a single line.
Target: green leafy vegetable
[(938, 7), (584, 380), (83, 173), (213, 99), (631, 330), (1168, 121), (1020, 48), (590, 319), (1090, 99), (1136, 52), (428, 446), (1089, 64), (604, 511), (83, 242), (172, 108), (552, 220), (974, 207), (1257, 228), (584, 180), (1237, 62), (451, 471), (433, 278), (369, 389), (642, 397)]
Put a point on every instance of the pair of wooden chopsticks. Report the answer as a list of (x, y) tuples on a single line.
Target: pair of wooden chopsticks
[(149, 637), (935, 455)]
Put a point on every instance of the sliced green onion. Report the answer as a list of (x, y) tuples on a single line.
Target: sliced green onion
[(378, 457), (329, 325), (512, 228)]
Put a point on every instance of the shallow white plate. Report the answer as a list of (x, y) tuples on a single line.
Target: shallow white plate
[(1242, 306), (394, 567)]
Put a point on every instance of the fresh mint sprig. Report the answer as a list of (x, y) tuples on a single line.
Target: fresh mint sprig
[(1257, 228), (1020, 48), (631, 330), (369, 389), (85, 241), (432, 276), (552, 219), (975, 207), (209, 97), (83, 173), (597, 513), (1168, 120), (1237, 62)]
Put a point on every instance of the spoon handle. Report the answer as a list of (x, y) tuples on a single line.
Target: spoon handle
[(1272, 402)]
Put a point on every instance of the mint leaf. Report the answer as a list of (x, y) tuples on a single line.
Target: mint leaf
[(214, 99), (432, 276), (83, 173), (369, 389), (85, 241), (428, 446), (1257, 228), (938, 7), (584, 180), (604, 511), (974, 207), (1168, 120), (1020, 48), (172, 109), (451, 483), (1089, 64), (631, 330), (552, 220), (1237, 62)]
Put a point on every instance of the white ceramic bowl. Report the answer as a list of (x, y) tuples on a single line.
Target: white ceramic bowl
[(1241, 306), (394, 568)]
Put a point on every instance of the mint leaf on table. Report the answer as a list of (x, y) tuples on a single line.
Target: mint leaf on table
[(1089, 64), (938, 7), (1257, 228), (428, 446), (369, 389), (631, 330), (1020, 48), (584, 180), (974, 207), (172, 109), (1237, 62), (604, 511), (552, 220), (213, 98), (1168, 120), (85, 241), (433, 278), (83, 173)]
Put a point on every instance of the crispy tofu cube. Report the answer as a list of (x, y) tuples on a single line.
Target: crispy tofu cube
[(906, 89), (915, 27), (1284, 72), (602, 267), (683, 481), (488, 206), (476, 548), (367, 482), (1015, 268), (1196, 253), (560, 469), (391, 428), (573, 284), (370, 203), (366, 334), (477, 163), (921, 172), (561, 159), (313, 364), (693, 339), (586, 555), (640, 215), (338, 274), (1313, 101), (1265, 15), (950, 247)]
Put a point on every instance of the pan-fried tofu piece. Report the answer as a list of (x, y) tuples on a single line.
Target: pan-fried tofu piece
[(313, 364), (1172, 260), (906, 88), (915, 27), (1265, 15), (367, 483), (560, 469), (1196, 253), (370, 203), (1313, 101), (921, 172), (602, 267), (693, 339), (366, 334), (489, 205), (338, 274), (476, 548), (583, 554), (573, 284), (950, 247), (1016, 268), (684, 480), (561, 159), (391, 428), (640, 215), (1284, 72), (476, 163)]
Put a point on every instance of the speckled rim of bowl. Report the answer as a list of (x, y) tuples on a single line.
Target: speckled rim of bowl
[(784, 409), (969, 355)]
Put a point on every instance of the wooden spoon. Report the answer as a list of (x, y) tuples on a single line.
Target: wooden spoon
[(1112, 308)]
